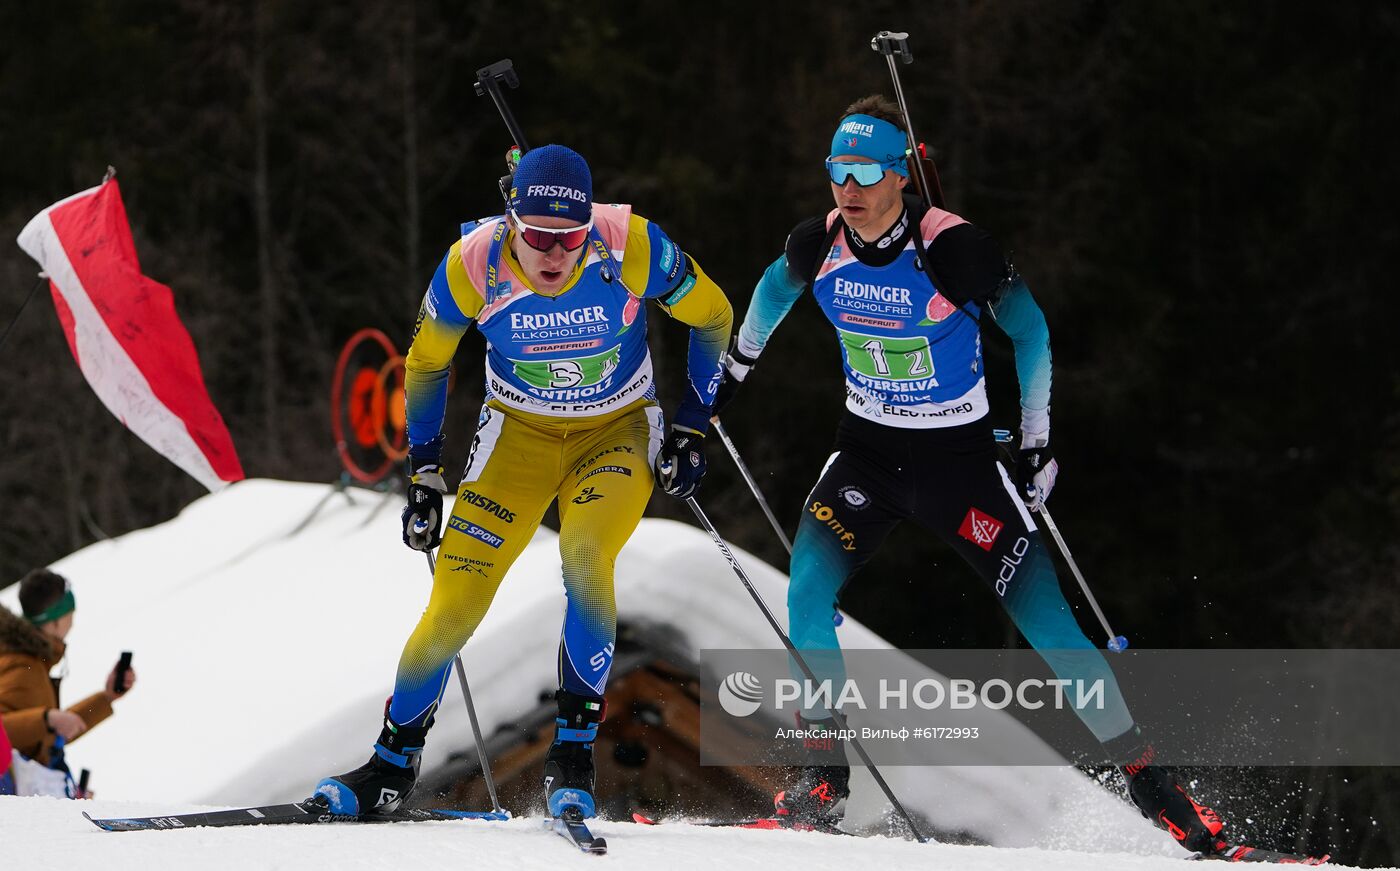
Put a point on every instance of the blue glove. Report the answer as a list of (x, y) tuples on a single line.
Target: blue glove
[(681, 463), (422, 516)]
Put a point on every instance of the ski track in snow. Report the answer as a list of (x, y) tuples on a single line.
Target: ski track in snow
[(40, 834)]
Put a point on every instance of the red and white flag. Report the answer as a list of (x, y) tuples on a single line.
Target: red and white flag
[(125, 334)]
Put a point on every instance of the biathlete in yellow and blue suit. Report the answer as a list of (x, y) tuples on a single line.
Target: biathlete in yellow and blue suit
[(557, 286)]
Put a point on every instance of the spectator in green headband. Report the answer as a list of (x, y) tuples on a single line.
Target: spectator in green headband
[(30, 647)]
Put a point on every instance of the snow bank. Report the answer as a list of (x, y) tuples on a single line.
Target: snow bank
[(264, 658)]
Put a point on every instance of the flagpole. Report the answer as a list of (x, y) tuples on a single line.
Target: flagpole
[(43, 276)]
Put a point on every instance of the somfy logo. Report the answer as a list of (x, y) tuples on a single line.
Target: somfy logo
[(741, 694)]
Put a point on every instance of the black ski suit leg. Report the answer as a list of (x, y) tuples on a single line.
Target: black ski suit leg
[(967, 498), (856, 502)]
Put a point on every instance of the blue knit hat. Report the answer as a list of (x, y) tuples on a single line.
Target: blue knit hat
[(553, 180)]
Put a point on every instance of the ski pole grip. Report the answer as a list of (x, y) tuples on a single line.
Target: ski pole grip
[(890, 44), (83, 782)]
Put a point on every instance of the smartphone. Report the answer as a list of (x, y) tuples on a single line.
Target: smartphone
[(123, 666)]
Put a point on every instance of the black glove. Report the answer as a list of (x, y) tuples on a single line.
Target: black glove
[(681, 463), (734, 369), (1036, 471), (422, 516)]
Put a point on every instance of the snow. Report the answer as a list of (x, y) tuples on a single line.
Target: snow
[(264, 655), (45, 834)]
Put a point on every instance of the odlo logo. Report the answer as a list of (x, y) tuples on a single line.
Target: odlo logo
[(1009, 566), (740, 694)]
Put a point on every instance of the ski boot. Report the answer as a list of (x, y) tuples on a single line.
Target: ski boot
[(568, 768), (1162, 800), (818, 796), (383, 783)]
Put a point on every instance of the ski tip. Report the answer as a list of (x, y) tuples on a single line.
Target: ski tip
[(104, 825), (642, 819), (1242, 853)]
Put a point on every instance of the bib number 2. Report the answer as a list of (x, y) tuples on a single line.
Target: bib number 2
[(900, 359)]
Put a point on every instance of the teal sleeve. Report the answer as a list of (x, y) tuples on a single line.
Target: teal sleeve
[(772, 300), (1018, 315)]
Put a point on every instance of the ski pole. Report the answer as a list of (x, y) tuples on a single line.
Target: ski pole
[(1116, 643), (753, 485), (838, 618), (471, 711), (802, 663)]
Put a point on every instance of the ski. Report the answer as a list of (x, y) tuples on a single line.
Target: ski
[(570, 826), (1240, 853), (281, 814), (773, 822)]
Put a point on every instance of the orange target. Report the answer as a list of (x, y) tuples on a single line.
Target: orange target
[(390, 416), (369, 433)]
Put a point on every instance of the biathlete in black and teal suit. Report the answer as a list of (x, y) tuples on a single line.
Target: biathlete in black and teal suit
[(557, 286), (908, 290)]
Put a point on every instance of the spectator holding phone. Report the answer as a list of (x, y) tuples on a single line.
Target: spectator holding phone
[(30, 647)]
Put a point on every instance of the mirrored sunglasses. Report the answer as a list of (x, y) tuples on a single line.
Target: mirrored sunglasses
[(865, 174), (545, 238)]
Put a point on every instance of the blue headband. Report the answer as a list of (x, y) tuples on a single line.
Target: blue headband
[(874, 138)]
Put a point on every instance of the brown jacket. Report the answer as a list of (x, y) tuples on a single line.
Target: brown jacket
[(26, 691)]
